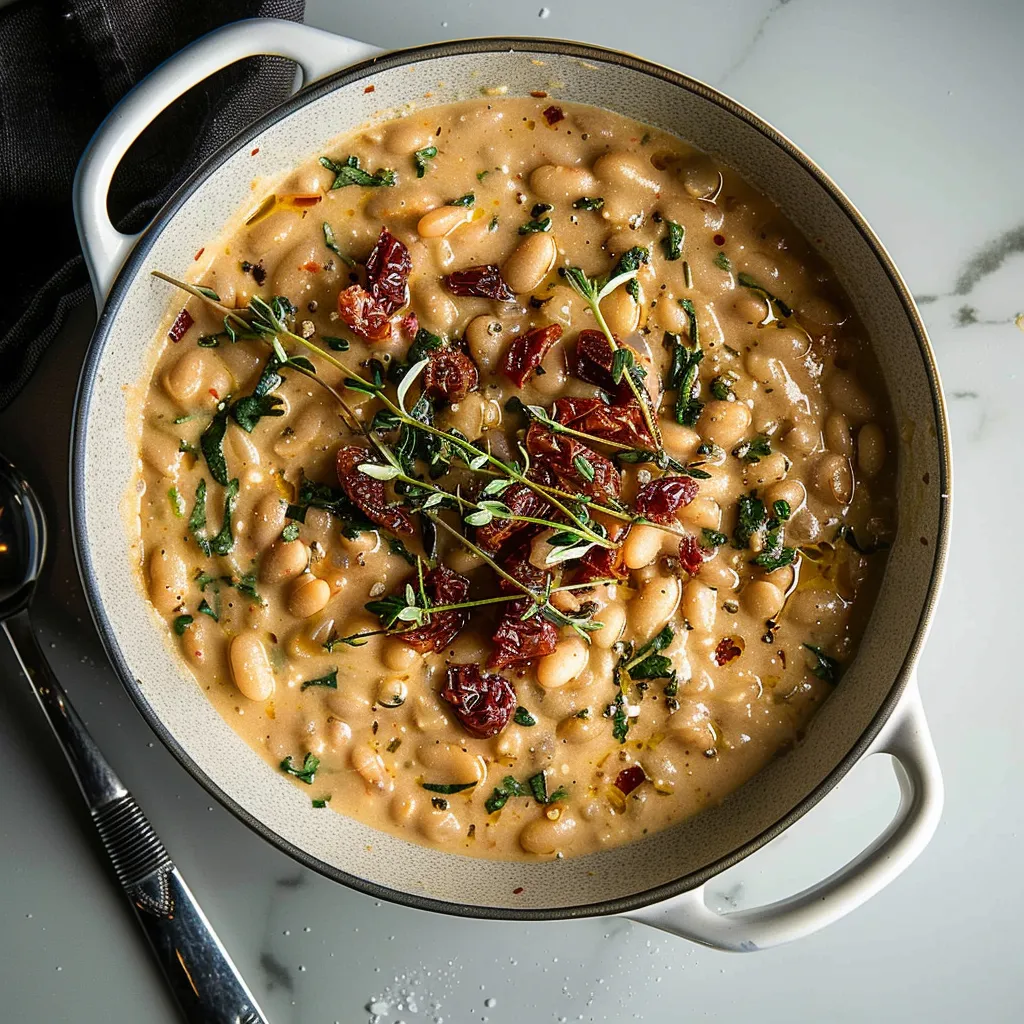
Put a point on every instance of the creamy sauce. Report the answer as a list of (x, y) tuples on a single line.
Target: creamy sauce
[(794, 416)]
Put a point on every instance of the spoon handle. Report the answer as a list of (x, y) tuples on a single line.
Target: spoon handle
[(204, 981)]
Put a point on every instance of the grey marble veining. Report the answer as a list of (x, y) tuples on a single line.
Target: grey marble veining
[(914, 109)]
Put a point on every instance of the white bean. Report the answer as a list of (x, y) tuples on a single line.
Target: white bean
[(250, 666), (530, 262), (564, 664)]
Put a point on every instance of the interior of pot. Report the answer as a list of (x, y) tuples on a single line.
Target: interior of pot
[(105, 462)]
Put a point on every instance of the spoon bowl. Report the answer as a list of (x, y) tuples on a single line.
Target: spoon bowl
[(22, 540)]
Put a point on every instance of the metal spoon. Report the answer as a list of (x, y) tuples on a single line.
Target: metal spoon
[(205, 983)]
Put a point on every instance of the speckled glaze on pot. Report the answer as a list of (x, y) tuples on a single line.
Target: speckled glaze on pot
[(664, 865)]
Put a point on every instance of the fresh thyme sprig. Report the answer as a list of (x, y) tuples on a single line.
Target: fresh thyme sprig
[(592, 291)]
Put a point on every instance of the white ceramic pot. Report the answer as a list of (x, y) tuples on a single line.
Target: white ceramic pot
[(660, 878)]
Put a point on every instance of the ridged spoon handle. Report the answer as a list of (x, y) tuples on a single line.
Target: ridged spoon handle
[(205, 983)]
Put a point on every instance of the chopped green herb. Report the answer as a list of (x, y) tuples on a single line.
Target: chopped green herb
[(206, 609), (480, 175), (394, 744), (751, 517), (588, 203), (648, 662), (721, 387), (534, 226), (290, 533), (509, 787), (447, 787), (330, 681), (683, 372), (620, 720), (422, 157), (847, 534), (754, 450), (304, 774), (181, 623), (781, 510), (469, 199), (350, 173), (672, 243), (493, 226), (197, 520), (331, 242), (539, 209), (224, 542), (723, 261), (523, 717), (212, 443), (584, 468), (748, 282), (538, 787), (622, 360), (631, 260), (208, 292), (712, 538), (774, 555), (321, 803), (337, 344), (824, 667), (177, 503), (208, 341)]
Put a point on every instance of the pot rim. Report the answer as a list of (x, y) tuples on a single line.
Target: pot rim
[(389, 61)]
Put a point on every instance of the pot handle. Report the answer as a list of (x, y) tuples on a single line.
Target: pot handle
[(316, 52), (905, 736)]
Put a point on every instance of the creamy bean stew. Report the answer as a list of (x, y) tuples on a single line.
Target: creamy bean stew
[(516, 478)]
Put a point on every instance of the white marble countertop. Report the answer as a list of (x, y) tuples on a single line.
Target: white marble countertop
[(914, 108)]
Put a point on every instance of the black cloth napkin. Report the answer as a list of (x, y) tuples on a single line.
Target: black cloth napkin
[(63, 66)]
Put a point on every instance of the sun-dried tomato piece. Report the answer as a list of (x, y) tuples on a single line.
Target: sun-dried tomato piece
[(622, 422), (387, 270), (483, 702), (554, 114), (483, 282), (727, 650), (660, 499), (519, 640), (182, 322), (601, 564), (691, 554), (629, 778), (594, 360), (527, 352), (575, 466), (450, 375), (367, 493), (442, 586), (368, 311), (515, 560), (362, 314), (523, 502)]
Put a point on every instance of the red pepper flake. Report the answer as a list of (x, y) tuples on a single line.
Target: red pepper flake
[(727, 650), (629, 778), (302, 201), (255, 151), (213, 391), (312, 266), (182, 322), (200, 253), (719, 239), (370, 88), (539, 94), (518, 890), (553, 115)]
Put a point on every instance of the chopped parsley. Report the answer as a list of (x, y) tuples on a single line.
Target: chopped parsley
[(532, 227), (330, 681), (211, 441), (683, 372), (350, 173), (824, 667), (781, 510), (630, 261), (181, 623), (290, 533), (422, 157), (754, 450), (509, 787), (523, 717), (723, 262), (447, 787), (321, 803), (748, 282), (177, 503), (304, 774), (588, 203), (750, 519), (331, 242), (672, 243), (539, 788), (469, 199), (712, 538), (721, 387), (337, 344)]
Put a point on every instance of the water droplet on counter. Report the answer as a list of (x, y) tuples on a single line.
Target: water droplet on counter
[(491, 1002), (544, 12), (378, 1006)]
